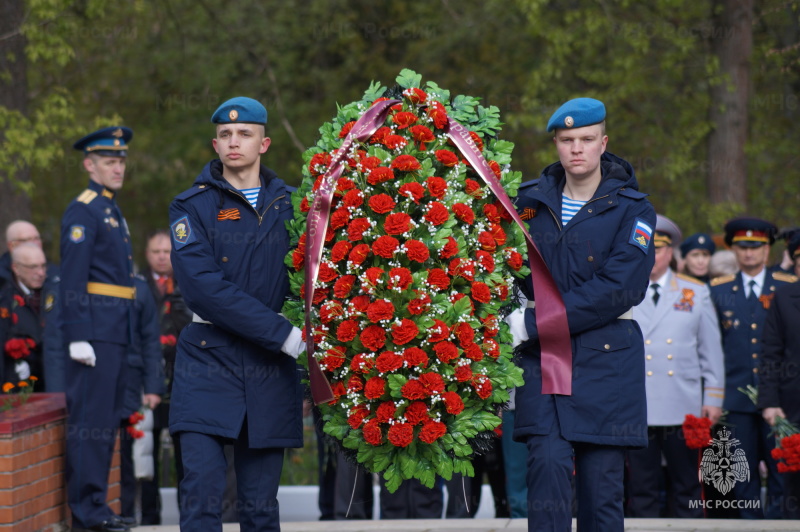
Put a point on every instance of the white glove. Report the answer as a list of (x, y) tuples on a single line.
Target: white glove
[(82, 352), (23, 370), (516, 323), (294, 344)]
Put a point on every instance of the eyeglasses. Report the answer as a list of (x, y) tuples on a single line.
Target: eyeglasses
[(32, 266)]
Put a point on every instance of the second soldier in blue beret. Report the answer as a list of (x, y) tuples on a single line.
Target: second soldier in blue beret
[(235, 376), (595, 232)]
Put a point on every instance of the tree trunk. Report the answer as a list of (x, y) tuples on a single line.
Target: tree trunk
[(732, 43), (14, 203)]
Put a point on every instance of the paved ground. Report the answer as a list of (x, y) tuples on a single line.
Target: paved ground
[(512, 525)]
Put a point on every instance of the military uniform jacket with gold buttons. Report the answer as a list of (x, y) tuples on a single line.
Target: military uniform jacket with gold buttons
[(742, 326), (95, 248), (228, 259), (601, 266), (684, 363)]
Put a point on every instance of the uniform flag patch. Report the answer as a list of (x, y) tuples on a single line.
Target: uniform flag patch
[(641, 235), (182, 233), (77, 233)]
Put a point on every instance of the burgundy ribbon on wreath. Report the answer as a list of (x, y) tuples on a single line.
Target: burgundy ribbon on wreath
[(551, 315), (317, 226)]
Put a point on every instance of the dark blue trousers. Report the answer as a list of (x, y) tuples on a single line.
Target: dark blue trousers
[(258, 473), (95, 398), (753, 434), (599, 471)]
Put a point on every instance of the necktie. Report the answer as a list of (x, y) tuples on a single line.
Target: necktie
[(161, 282), (752, 299), (35, 300), (656, 295)]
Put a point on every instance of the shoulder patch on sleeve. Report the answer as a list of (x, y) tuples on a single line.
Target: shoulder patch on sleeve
[(689, 278), (785, 277), (77, 234), (716, 281), (641, 234), (86, 196), (182, 233)]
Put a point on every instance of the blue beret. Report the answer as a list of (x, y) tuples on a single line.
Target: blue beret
[(667, 232), (698, 241), (749, 232), (108, 142), (240, 110), (579, 112)]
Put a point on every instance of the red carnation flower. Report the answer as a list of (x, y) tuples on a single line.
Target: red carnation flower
[(453, 403), (491, 347), (381, 203), (379, 175), (437, 111), (422, 135), (373, 337), (385, 246), (319, 163), (401, 434), (462, 267), (697, 432), (450, 249), (464, 213), (373, 276), (481, 292), (486, 260), (437, 213), (406, 163), (343, 286), (486, 241), (369, 163), (476, 139), (343, 185), (334, 358), (319, 296), (419, 305), (382, 309), (326, 273), (473, 188), (491, 213), (359, 254), (361, 363), (432, 431), (358, 305), (404, 119), (490, 326), (354, 384), (446, 351), (400, 278), (346, 129), (394, 142), (438, 279), (330, 311), (416, 413), (415, 95), (374, 388), (473, 352), (464, 333), (433, 382), (413, 190), (498, 234), (380, 136), (417, 251), (340, 250), (305, 206), (357, 416), (397, 223), (404, 332), (356, 228), (388, 361), (514, 261), (414, 356), (347, 331), (18, 299), (436, 186), (353, 198), (385, 412), (372, 432), (414, 389), (446, 157), (482, 385), (463, 373), (298, 259), (495, 168), (18, 348)]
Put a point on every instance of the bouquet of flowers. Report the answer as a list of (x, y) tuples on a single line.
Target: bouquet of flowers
[(416, 268), (787, 438), (696, 431)]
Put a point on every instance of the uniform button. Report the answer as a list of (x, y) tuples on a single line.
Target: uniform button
[(610, 202), (755, 370), (590, 258), (224, 259), (754, 340), (607, 347), (648, 342), (131, 275), (754, 326), (276, 207), (590, 211), (124, 239), (649, 357), (669, 357), (203, 342), (129, 257), (755, 355), (669, 340), (670, 373), (649, 373)]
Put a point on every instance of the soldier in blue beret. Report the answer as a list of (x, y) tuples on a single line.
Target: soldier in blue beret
[(742, 301), (696, 252), (236, 377), (595, 231), (97, 295)]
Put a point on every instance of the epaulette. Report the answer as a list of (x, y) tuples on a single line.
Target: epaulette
[(785, 277), (716, 281), (86, 196), (632, 193), (689, 278), (196, 189)]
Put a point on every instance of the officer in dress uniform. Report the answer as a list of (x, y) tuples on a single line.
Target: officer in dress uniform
[(96, 295), (594, 230), (742, 301), (696, 251), (779, 372), (236, 376), (685, 375)]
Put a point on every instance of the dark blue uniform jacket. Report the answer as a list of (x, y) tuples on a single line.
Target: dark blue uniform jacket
[(228, 260), (601, 266)]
